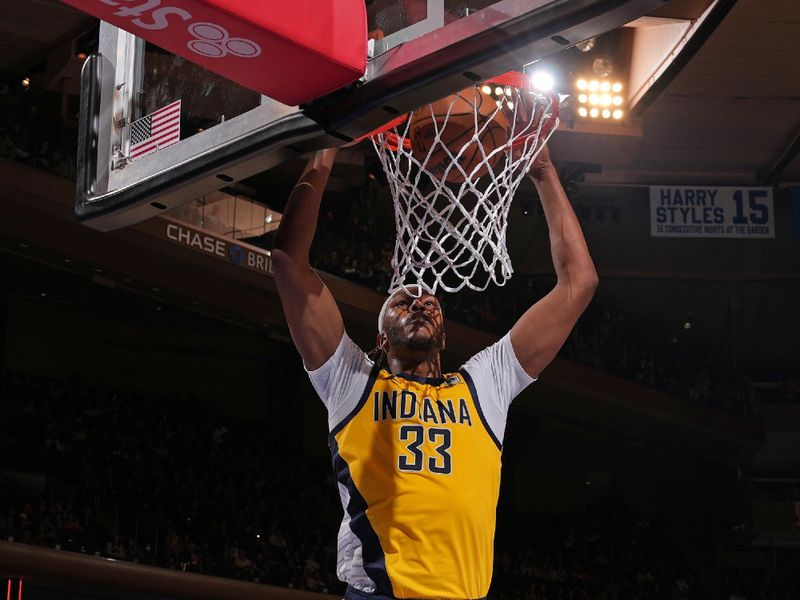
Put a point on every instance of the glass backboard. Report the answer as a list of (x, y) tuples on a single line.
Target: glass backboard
[(214, 132)]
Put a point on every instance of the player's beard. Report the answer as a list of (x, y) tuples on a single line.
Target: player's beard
[(418, 340)]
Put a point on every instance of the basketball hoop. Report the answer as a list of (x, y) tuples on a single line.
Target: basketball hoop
[(453, 168)]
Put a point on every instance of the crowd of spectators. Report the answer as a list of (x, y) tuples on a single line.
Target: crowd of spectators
[(778, 580), (132, 476), (33, 133), (602, 553), (620, 344), (127, 475)]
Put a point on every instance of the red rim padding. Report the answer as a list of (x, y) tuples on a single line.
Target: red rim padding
[(293, 51)]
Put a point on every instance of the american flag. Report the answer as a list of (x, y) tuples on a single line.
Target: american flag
[(156, 131)]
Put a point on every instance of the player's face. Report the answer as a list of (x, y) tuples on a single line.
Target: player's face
[(416, 323)]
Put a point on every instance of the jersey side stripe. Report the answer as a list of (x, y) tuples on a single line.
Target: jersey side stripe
[(362, 401), (372, 553), (474, 392)]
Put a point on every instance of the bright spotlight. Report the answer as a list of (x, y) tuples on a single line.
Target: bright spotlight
[(594, 112), (583, 112), (486, 89), (618, 114), (581, 84), (605, 86), (617, 101), (498, 91), (616, 88), (605, 100), (543, 81), (583, 98), (594, 99), (606, 113), (593, 85)]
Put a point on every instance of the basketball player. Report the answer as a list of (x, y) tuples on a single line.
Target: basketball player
[(416, 452)]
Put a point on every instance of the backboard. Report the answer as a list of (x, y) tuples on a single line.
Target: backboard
[(420, 50)]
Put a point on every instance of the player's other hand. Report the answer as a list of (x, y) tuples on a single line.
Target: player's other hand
[(541, 164)]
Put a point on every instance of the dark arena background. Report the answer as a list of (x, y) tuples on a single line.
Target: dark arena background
[(159, 437)]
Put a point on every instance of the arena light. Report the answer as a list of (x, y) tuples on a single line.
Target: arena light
[(486, 89), (599, 98), (543, 81), (598, 85)]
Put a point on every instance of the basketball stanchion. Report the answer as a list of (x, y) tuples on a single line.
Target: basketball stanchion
[(453, 168)]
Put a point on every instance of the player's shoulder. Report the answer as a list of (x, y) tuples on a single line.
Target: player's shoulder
[(490, 353), (347, 355)]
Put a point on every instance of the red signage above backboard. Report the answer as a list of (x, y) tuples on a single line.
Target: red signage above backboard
[(292, 52)]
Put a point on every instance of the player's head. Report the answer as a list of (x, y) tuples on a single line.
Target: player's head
[(411, 317)]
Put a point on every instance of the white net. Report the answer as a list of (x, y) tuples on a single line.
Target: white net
[(453, 168)]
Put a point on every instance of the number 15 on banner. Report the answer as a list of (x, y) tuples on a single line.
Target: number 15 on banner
[(719, 212)]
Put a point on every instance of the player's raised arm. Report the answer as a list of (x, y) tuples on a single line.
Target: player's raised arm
[(539, 334), (314, 319)]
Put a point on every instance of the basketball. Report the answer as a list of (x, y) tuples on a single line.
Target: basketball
[(456, 130)]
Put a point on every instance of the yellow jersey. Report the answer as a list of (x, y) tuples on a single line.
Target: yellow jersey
[(417, 462)]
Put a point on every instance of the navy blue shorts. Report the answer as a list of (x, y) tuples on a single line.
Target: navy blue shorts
[(354, 594)]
